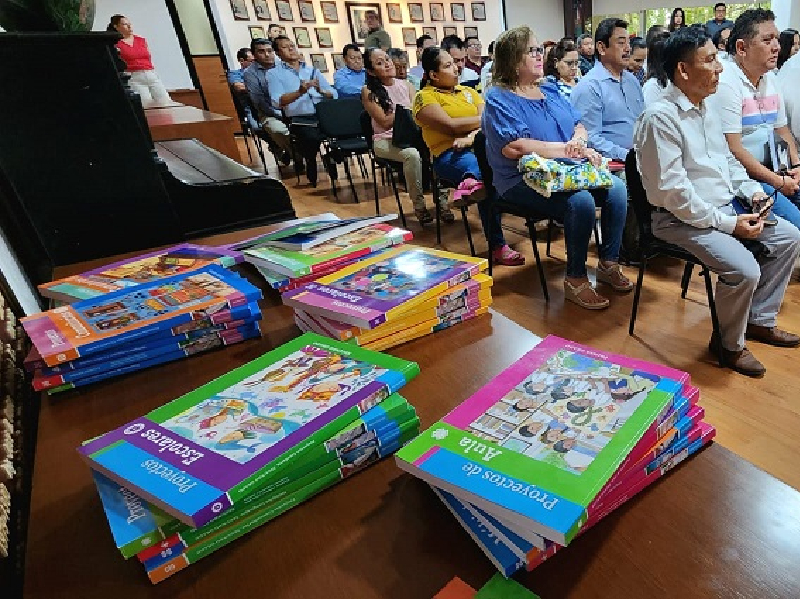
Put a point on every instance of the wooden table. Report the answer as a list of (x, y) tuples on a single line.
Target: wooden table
[(180, 122), (715, 527)]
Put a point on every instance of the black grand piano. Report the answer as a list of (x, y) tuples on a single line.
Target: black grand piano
[(80, 177)]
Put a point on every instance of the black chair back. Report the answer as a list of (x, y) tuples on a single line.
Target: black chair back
[(340, 119), (638, 196), (479, 148), (366, 128)]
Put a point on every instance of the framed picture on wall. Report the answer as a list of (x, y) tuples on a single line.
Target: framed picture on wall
[(338, 61), (393, 12), (437, 11), (330, 13), (356, 20), (448, 30), (306, 9), (302, 37), (324, 38), (470, 32), (478, 11), (415, 12), (431, 31), (262, 10), (319, 62), (457, 11), (256, 32), (284, 10), (239, 9), (410, 36)]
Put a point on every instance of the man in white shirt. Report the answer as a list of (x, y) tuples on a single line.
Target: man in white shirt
[(752, 110), (788, 78), (691, 177)]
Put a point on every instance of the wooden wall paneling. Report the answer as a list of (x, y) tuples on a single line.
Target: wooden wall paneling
[(212, 78)]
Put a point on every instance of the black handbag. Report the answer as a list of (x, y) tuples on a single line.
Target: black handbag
[(405, 132)]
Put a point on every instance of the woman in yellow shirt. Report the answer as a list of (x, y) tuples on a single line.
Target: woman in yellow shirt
[(450, 116)]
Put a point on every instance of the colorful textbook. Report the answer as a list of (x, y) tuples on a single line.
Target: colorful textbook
[(374, 291), (197, 455), (536, 444), (136, 270), (91, 326)]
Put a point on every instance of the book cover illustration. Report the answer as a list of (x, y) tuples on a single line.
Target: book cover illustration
[(198, 454), (136, 270), (285, 228), (296, 263), (305, 240), (537, 443), (67, 332), (367, 293)]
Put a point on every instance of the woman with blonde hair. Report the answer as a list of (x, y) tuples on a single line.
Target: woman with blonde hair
[(527, 115)]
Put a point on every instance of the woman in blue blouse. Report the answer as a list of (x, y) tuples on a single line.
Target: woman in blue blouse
[(522, 116)]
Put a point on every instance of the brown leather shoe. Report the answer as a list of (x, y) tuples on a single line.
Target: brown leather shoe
[(772, 336), (741, 361)]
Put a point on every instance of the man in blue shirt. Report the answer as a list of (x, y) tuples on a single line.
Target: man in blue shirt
[(720, 20), (295, 88), (609, 98), (255, 80), (349, 80), (236, 76)]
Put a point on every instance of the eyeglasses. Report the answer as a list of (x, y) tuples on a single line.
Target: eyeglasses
[(571, 63), (473, 45), (536, 50)]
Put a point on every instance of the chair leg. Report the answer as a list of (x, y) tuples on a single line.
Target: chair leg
[(687, 276), (712, 306), (490, 235), (549, 237), (397, 197), (637, 293), (260, 152), (469, 232), (375, 188), (597, 236), (532, 232), (246, 137), (350, 179), (362, 165), (437, 209)]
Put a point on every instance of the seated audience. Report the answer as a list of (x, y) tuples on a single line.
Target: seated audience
[(400, 59), (349, 80), (609, 98), (236, 76), (416, 72), (692, 178), (486, 71), (255, 81), (788, 77), (720, 41), (474, 60), (586, 50), (453, 45), (720, 20), (752, 111), (790, 43), (450, 116), (380, 95), (562, 67), (295, 88), (656, 80), (637, 58), (677, 20), (523, 116)]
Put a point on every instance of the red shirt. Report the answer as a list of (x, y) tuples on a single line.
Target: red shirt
[(137, 57)]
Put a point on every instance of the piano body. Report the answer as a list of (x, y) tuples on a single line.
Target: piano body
[(80, 177)]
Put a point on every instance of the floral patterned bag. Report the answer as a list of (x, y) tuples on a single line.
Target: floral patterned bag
[(549, 175)]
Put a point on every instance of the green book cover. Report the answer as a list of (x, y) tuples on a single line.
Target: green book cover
[(500, 587)]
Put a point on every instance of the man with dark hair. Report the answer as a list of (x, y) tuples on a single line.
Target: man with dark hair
[(255, 80), (454, 46), (609, 98), (423, 41), (753, 113), (720, 40), (273, 31), (694, 182), (637, 59), (349, 80), (474, 59), (486, 71), (585, 45), (295, 88), (376, 36), (720, 20), (236, 76)]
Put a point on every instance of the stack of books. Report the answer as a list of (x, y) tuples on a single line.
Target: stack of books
[(203, 470), (393, 297), (555, 443), (304, 251), (140, 326)]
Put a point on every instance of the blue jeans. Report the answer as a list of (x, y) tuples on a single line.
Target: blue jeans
[(456, 165), (785, 207), (577, 211)]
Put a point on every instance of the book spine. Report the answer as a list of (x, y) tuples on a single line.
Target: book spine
[(421, 330)]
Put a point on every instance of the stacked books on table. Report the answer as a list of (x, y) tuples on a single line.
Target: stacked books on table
[(137, 270), (203, 470), (553, 444), (288, 259), (395, 296), (140, 326)]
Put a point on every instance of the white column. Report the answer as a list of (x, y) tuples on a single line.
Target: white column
[(787, 13)]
